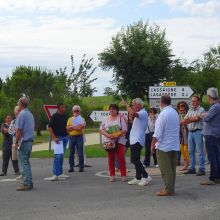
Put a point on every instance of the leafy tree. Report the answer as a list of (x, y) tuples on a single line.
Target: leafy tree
[(140, 56), (80, 82), (4, 106), (40, 85), (109, 91), (200, 74), (1, 83)]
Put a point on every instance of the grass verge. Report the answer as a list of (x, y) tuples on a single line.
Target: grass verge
[(92, 151)]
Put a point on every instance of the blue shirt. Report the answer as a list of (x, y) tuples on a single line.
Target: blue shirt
[(211, 121), (167, 130), (139, 127), (25, 122)]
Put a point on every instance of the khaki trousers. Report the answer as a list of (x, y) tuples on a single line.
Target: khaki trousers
[(167, 164)]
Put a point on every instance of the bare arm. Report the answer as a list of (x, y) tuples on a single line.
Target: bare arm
[(129, 109), (18, 137), (53, 135), (153, 144)]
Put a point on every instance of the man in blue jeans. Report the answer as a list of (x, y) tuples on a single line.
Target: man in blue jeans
[(211, 131), (75, 126), (57, 129), (24, 141), (193, 121)]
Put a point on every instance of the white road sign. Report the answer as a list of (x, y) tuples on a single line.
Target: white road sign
[(156, 102), (98, 116), (175, 92)]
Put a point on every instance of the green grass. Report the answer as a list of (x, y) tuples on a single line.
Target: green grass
[(45, 136), (92, 151), (95, 101)]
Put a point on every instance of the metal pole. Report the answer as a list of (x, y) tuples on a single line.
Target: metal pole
[(50, 140)]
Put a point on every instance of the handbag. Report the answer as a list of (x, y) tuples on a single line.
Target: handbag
[(110, 145)]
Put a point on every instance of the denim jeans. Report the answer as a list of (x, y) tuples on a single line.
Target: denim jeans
[(58, 158), (195, 141), (213, 151), (136, 160), (24, 154), (148, 139), (76, 142)]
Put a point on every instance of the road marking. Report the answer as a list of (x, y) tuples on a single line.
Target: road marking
[(9, 180), (151, 171)]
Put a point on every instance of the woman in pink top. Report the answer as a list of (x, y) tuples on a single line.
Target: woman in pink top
[(114, 127)]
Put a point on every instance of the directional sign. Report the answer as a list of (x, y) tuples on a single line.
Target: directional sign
[(156, 102), (175, 92), (98, 116), (50, 110)]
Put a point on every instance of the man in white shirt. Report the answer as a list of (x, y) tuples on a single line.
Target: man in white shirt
[(137, 140), (166, 141)]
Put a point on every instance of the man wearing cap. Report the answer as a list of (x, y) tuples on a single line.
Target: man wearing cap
[(24, 140)]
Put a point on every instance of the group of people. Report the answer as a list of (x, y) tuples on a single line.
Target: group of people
[(18, 136), (63, 130), (163, 135), (172, 134)]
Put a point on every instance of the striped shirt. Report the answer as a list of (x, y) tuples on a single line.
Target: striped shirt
[(195, 112)]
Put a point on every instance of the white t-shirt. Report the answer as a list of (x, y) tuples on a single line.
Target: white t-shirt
[(139, 127), (167, 130)]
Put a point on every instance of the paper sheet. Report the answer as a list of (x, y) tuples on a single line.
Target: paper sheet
[(58, 148), (78, 121)]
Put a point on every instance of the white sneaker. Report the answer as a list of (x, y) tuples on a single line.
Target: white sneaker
[(63, 177), (53, 178), (145, 181), (133, 182), (157, 166), (20, 177)]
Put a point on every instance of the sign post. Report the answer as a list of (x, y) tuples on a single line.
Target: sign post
[(50, 110), (99, 116), (177, 93)]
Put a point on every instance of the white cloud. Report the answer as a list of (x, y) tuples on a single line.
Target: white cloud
[(50, 41), (191, 36), (147, 2), (208, 8), (191, 7), (71, 6)]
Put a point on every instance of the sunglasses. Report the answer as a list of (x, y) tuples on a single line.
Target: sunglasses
[(75, 110)]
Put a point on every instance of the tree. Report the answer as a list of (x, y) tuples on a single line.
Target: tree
[(80, 82), (40, 85), (109, 91), (140, 56), (201, 73)]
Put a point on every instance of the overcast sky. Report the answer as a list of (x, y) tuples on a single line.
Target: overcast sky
[(46, 32)]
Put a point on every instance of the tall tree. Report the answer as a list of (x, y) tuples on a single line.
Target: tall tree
[(140, 56)]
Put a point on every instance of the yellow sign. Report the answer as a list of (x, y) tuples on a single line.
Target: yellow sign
[(105, 107), (169, 83)]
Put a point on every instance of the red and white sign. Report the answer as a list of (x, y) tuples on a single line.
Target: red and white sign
[(50, 110)]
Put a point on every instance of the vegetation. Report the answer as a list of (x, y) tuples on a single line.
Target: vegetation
[(140, 56), (92, 151), (199, 74)]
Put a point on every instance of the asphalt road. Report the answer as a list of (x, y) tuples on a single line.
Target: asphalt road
[(86, 196)]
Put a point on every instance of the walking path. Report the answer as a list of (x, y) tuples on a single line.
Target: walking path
[(92, 138)]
